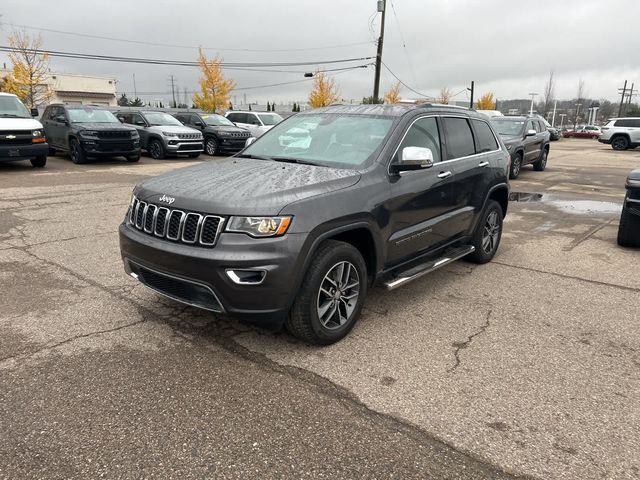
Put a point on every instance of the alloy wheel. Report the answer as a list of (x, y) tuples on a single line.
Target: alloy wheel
[(517, 163), (491, 232), (338, 295), (155, 150), (211, 146)]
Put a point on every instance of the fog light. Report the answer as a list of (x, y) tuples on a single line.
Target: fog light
[(246, 277)]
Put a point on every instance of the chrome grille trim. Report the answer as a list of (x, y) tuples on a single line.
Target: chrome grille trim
[(141, 213)]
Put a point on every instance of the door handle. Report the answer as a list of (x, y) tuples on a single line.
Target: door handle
[(483, 164), (444, 174)]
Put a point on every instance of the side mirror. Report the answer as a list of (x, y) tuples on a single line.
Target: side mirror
[(61, 119), (249, 141), (140, 123), (530, 133), (413, 158), (121, 119), (34, 112), (198, 123)]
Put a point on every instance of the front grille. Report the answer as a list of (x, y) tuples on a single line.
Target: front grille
[(115, 147), (178, 289), (190, 146), (185, 227), (240, 134), (190, 136), (17, 137), (114, 134)]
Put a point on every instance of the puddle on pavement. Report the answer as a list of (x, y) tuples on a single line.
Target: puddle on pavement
[(580, 207)]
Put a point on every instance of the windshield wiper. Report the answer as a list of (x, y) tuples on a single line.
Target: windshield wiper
[(293, 160), (255, 157), (11, 115)]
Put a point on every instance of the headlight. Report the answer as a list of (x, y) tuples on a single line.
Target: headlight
[(259, 226), (134, 134), (38, 136), (224, 134), (37, 133), (88, 133), (169, 134)]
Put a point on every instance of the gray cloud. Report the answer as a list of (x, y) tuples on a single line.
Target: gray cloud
[(506, 46)]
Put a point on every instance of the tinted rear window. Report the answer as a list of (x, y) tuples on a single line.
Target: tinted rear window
[(484, 137), (627, 122), (459, 137)]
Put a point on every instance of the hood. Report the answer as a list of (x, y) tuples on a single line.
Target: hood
[(242, 186), (511, 138), (101, 126), (19, 124), (174, 129), (226, 128)]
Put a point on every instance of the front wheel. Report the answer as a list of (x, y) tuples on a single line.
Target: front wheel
[(76, 152), (211, 146), (39, 162), (486, 238), (156, 149), (331, 296), (516, 166), (629, 229)]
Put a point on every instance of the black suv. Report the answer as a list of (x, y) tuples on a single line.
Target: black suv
[(296, 232), (629, 229), (220, 134), (527, 140), (86, 131)]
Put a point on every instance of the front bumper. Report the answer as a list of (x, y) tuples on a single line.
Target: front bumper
[(113, 148), (266, 303), (177, 146), (231, 144), (13, 153)]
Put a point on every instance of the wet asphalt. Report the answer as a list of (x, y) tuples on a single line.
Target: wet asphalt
[(528, 367)]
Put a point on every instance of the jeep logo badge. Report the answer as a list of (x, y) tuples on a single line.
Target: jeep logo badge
[(166, 199)]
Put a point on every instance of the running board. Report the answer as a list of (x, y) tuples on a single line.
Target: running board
[(420, 270)]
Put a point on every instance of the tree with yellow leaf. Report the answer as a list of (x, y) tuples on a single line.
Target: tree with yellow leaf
[(393, 95), (215, 87), (30, 66), (486, 102), (445, 96), (324, 91)]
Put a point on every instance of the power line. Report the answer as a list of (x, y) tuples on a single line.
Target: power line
[(155, 44), (150, 61), (404, 44), (407, 86)]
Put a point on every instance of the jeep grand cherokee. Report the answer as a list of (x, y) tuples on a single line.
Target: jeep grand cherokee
[(295, 233)]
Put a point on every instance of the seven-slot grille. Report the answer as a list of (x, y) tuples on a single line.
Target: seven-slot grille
[(114, 134), (190, 136), (240, 134), (175, 225)]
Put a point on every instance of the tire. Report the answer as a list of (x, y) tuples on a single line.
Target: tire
[(516, 167), (620, 143), (194, 155), (629, 229), (52, 151), (541, 164), (76, 153), (211, 146), (306, 320), (39, 162), (489, 230), (156, 150), (133, 159)]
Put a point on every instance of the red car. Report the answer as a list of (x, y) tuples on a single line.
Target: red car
[(585, 131)]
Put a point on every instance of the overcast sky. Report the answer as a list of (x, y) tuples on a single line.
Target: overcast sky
[(506, 46)]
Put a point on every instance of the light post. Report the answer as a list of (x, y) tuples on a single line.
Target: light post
[(575, 125), (533, 96), (562, 115)]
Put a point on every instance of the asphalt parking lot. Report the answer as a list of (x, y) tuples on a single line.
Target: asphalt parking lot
[(528, 366)]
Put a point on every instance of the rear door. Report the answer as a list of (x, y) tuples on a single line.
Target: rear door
[(473, 173), (634, 130), (56, 128), (421, 201)]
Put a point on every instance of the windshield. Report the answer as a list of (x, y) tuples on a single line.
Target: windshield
[(159, 118), (329, 139), (508, 127), (91, 115), (10, 106), (270, 118), (217, 120)]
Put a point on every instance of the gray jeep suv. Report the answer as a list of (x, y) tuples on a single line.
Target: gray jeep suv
[(296, 232), (527, 140), (161, 134)]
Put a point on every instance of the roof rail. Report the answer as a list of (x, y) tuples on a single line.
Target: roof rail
[(440, 105)]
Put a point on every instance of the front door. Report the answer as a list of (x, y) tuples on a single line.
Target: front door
[(532, 143), (421, 201)]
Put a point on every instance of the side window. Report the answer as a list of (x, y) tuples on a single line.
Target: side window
[(459, 139), (252, 119), (623, 123), (486, 141), (541, 127), (135, 118), (237, 117), (181, 118), (635, 122), (195, 118), (423, 133), (529, 126)]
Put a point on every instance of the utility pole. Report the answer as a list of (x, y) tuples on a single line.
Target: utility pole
[(624, 91), (553, 118), (471, 90), (630, 94), (533, 96), (575, 125), (382, 7), (562, 115), (173, 92), (135, 90)]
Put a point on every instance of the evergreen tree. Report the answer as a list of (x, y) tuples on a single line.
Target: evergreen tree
[(250, 107), (230, 106), (123, 101)]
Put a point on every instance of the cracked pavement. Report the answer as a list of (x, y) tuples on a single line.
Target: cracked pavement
[(525, 367)]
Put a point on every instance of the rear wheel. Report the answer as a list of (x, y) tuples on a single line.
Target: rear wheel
[(331, 296), (541, 164), (39, 162), (211, 146), (620, 143), (156, 149), (486, 238), (516, 166), (76, 152), (629, 229)]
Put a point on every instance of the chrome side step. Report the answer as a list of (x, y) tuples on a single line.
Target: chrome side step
[(420, 270)]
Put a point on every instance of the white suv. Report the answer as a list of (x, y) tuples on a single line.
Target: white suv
[(256, 122), (621, 133)]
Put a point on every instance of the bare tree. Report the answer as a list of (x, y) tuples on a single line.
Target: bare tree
[(445, 96), (580, 100), (549, 93)]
